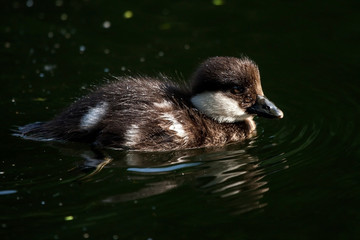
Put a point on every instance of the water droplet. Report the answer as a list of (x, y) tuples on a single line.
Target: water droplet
[(86, 235), (49, 67), (128, 14), (42, 202), (82, 48), (106, 70), (123, 68), (41, 75), (142, 59), (161, 54), (69, 218), (106, 51), (7, 45), (29, 3), (186, 46), (106, 24)]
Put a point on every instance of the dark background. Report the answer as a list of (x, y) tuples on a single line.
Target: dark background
[(298, 179)]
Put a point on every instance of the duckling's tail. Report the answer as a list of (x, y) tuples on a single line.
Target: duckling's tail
[(33, 131)]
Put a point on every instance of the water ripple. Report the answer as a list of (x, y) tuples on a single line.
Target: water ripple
[(163, 169), (321, 129)]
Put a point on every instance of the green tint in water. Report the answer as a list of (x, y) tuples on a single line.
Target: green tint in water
[(298, 179)]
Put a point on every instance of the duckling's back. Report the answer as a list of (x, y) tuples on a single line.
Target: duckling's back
[(106, 115)]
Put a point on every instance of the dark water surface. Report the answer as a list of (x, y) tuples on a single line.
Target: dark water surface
[(298, 179)]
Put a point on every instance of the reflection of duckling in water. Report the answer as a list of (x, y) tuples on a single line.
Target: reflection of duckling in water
[(232, 177), (226, 175), (142, 113)]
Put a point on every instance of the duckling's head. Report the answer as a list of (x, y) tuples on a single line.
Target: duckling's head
[(228, 89)]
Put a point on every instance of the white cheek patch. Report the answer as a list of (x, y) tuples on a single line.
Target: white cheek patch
[(175, 125), (94, 115), (219, 107)]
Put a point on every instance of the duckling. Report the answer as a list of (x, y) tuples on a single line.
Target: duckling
[(215, 108)]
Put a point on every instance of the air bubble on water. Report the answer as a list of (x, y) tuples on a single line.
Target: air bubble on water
[(29, 3), (106, 24), (128, 14), (49, 67), (82, 48)]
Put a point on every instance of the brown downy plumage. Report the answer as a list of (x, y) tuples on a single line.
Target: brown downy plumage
[(143, 113)]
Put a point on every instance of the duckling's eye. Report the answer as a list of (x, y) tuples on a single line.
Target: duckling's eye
[(237, 90)]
